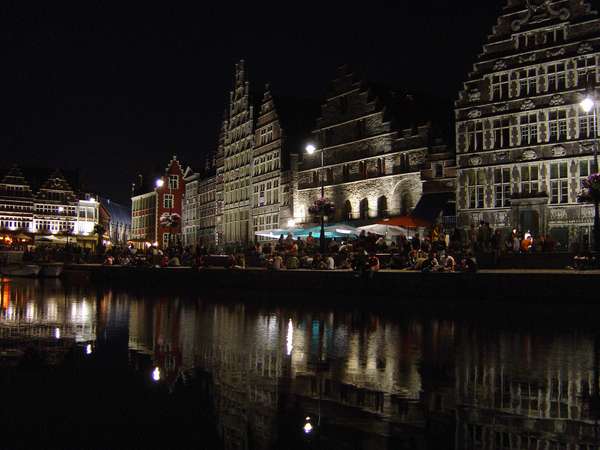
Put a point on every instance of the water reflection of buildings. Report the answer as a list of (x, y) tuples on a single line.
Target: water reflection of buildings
[(31, 309), (516, 391)]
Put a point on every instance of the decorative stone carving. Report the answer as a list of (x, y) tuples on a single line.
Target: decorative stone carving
[(553, 53), (527, 104), (530, 58), (585, 47), (559, 151), (529, 155), (475, 161), (558, 214), (415, 159), (474, 95), (586, 148), (538, 10), (501, 156), (474, 114), (500, 64), (557, 100), (500, 108)]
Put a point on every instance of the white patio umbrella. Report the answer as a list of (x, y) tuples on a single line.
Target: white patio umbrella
[(384, 230)]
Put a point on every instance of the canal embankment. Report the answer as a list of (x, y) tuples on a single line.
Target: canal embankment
[(523, 286)]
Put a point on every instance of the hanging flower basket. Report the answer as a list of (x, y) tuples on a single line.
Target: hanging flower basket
[(170, 220), (322, 207), (590, 192)]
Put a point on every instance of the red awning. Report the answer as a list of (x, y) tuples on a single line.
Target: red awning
[(405, 222)]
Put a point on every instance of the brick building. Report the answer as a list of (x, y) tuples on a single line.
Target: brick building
[(151, 211), (523, 142)]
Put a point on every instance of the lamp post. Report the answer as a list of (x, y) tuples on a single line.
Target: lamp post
[(160, 183), (310, 149), (588, 104)]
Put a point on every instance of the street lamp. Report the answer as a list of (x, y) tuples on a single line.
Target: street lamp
[(588, 104), (311, 149)]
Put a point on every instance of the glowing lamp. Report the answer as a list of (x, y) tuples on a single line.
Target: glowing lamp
[(57, 333), (310, 149), (308, 428), (88, 349), (160, 183), (587, 104), (156, 374)]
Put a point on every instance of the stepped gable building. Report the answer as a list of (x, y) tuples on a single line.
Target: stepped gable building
[(373, 153), (237, 161), (219, 169), (281, 128), (523, 142), (150, 210), (43, 202)]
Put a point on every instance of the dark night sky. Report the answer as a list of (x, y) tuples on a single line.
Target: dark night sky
[(116, 91)]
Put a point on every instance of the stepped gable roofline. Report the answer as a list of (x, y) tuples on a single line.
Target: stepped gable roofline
[(15, 176), (297, 118), (36, 177)]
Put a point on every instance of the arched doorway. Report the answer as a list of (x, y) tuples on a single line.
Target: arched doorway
[(382, 206), (364, 209), (347, 210)]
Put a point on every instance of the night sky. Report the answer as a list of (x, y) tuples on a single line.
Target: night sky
[(114, 91)]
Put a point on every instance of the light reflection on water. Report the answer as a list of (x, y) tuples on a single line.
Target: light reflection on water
[(388, 382)]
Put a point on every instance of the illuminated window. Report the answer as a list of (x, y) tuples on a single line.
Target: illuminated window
[(587, 125), (558, 125), (502, 187), (528, 82), (500, 86), (501, 132), (168, 201), (530, 179), (529, 130), (174, 181), (556, 77), (476, 183), (559, 183), (475, 136)]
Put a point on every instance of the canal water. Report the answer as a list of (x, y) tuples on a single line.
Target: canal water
[(86, 367)]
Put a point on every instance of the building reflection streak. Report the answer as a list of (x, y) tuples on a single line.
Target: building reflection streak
[(387, 383)]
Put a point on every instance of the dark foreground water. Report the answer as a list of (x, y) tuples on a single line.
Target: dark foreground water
[(95, 368)]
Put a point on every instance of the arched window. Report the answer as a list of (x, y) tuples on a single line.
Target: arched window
[(382, 206), (364, 209), (347, 211)]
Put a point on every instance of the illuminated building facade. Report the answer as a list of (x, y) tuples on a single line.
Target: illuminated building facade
[(523, 142), (150, 211), (199, 210), (53, 208), (372, 153)]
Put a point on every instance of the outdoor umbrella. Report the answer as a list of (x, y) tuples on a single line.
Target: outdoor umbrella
[(384, 230)]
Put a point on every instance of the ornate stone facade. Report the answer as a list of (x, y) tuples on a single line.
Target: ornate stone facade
[(523, 144), (370, 168)]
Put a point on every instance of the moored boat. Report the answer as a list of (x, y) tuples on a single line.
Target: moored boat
[(51, 270), (20, 270)]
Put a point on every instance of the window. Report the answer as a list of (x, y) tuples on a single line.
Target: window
[(586, 66), (168, 201), (501, 132), (558, 125), (529, 129), (587, 125), (360, 128), (475, 136), (438, 170), (556, 77), (500, 86), (530, 179), (586, 168), (552, 36), (559, 183), (476, 182), (502, 187), (528, 82), (174, 181), (266, 135)]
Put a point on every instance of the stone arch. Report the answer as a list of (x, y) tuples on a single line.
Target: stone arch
[(404, 198)]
